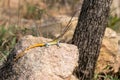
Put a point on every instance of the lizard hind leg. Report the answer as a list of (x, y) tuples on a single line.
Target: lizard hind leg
[(58, 43)]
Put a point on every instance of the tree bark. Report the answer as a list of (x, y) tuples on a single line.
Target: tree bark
[(88, 35)]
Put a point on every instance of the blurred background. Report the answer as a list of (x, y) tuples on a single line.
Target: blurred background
[(46, 18)]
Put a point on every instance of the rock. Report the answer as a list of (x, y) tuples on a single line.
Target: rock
[(119, 41), (43, 63), (109, 53), (115, 8), (110, 37)]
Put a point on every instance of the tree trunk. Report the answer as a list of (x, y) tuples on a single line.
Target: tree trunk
[(88, 35)]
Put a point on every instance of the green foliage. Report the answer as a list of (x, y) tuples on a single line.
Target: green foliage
[(105, 77), (107, 74), (108, 77), (114, 23), (9, 37), (7, 40)]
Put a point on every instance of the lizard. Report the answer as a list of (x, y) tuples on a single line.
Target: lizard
[(53, 42)]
